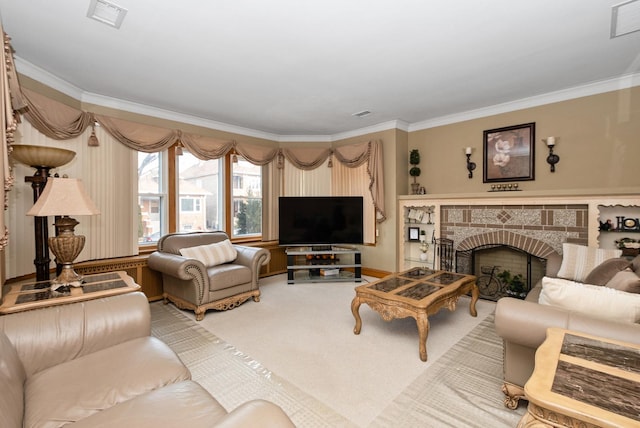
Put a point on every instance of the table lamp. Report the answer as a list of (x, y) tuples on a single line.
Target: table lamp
[(64, 197), (43, 159)]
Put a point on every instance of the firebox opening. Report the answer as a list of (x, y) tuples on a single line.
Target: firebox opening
[(503, 270)]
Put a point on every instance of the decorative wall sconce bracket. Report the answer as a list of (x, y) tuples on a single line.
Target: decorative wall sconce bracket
[(553, 158), (470, 165)]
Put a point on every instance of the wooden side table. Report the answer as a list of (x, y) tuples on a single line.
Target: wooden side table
[(583, 381), (24, 297)]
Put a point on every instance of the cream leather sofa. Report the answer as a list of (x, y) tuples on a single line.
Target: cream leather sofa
[(522, 324), (191, 284), (94, 364)]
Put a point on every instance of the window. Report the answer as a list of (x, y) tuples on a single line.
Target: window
[(192, 204), (201, 200), (205, 197), (246, 199), (151, 197)]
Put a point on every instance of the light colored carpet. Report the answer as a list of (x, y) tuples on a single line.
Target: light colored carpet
[(296, 347)]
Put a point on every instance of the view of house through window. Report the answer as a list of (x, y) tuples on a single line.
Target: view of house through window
[(246, 198), (200, 196), (151, 197), (200, 205)]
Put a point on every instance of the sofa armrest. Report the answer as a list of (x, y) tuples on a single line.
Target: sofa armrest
[(176, 266), (50, 336), (252, 257), (256, 413), (525, 323)]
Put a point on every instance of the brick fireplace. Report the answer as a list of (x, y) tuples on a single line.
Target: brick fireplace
[(519, 237), (536, 223)]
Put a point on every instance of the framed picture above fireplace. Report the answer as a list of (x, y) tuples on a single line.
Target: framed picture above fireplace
[(509, 153)]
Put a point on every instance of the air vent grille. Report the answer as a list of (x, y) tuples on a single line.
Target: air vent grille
[(106, 12), (362, 113), (625, 18)]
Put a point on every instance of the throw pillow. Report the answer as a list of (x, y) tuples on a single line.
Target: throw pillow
[(635, 264), (606, 270), (578, 260), (626, 280), (212, 254), (593, 300)]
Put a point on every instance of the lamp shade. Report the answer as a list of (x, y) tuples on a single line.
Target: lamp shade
[(63, 197)]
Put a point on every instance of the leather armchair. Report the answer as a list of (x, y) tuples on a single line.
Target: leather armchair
[(189, 284)]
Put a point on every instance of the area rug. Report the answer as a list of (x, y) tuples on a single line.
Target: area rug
[(234, 375)]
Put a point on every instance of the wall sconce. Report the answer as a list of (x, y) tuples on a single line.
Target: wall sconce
[(470, 165), (553, 158)]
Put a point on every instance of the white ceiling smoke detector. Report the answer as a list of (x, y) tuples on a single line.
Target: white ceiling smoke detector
[(625, 18), (106, 12)]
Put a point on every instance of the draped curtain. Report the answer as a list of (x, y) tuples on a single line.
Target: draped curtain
[(11, 101)]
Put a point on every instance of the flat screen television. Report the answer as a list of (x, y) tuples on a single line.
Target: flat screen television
[(320, 220)]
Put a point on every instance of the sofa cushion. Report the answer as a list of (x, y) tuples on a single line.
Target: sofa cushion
[(594, 300), (578, 260), (84, 386), (212, 254), (626, 280), (226, 276), (606, 270), (180, 404), (12, 377), (635, 264)]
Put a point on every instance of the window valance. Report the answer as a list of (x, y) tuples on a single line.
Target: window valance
[(60, 121)]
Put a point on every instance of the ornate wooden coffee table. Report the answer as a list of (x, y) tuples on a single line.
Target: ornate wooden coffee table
[(583, 381), (416, 293)]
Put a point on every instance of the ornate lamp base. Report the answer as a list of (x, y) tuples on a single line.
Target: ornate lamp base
[(66, 247)]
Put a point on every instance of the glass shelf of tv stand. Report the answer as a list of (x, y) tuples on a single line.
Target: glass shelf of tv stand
[(326, 263)]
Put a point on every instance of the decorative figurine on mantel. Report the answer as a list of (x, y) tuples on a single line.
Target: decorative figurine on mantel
[(414, 160)]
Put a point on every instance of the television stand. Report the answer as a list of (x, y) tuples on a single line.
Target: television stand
[(323, 263)]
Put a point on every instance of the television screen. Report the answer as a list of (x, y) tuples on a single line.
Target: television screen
[(320, 220)]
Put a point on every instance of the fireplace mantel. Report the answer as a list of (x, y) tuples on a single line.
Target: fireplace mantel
[(472, 202)]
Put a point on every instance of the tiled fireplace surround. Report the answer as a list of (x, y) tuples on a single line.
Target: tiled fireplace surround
[(536, 229), (537, 224)]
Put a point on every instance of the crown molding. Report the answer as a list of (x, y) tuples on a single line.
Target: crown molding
[(46, 78), (594, 88)]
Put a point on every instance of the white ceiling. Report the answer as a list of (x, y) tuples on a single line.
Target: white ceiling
[(295, 69)]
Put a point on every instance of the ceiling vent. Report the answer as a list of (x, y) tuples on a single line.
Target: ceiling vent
[(106, 12), (625, 18), (362, 113)]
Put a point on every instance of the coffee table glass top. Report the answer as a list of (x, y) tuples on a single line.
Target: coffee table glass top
[(419, 291), (390, 284)]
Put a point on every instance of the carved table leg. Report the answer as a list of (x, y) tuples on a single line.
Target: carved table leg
[(423, 331), (355, 309), (474, 298)]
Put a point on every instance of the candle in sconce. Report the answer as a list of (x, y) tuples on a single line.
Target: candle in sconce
[(551, 141), (468, 150)]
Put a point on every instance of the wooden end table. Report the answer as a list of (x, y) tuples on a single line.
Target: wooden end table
[(585, 381), (34, 295), (417, 293)]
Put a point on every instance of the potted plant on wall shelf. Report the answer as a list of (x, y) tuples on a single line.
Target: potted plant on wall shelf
[(414, 171)]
